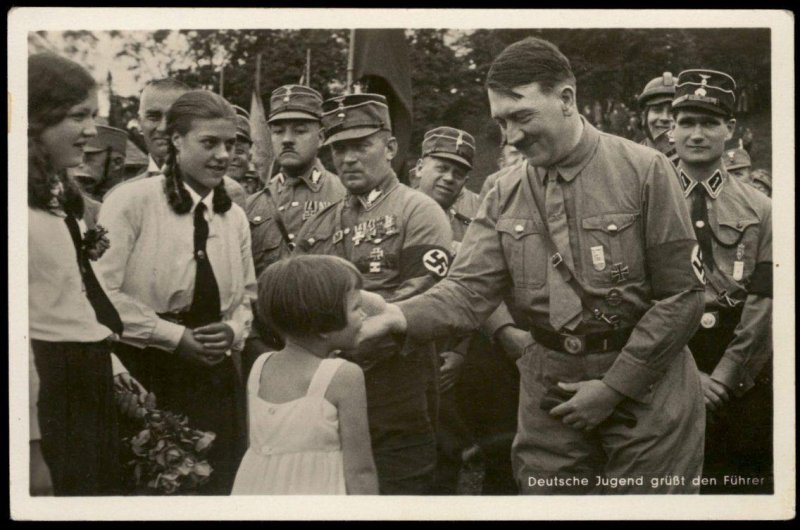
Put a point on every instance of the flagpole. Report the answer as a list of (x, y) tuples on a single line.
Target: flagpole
[(258, 74), (308, 67), (350, 62), (222, 80)]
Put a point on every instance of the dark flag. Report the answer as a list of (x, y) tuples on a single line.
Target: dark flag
[(380, 61)]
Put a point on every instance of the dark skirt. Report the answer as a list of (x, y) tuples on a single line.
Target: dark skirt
[(211, 397), (78, 417)]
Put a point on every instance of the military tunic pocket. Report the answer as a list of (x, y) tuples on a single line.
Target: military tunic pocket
[(736, 247), (525, 249), (612, 252), (266, 240)]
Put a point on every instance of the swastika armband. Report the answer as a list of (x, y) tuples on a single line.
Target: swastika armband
[(424, 260), (761, 280), (675, 267)]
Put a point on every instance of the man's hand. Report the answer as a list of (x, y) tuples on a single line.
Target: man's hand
[(382, 318), (216, 337), (514, 341), (593, 402), (450, 370), (715, 393), (193, 351)]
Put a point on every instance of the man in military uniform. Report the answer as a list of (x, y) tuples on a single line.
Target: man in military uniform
[(594, 243), (762, 181), (240, 160), (737, 163), (102, 168), (655, 102), (733, 347), (154, 102), (399, 239), (250, 181), (302, 188)]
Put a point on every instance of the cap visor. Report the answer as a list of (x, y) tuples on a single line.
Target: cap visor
[(701, 105), (87, 149), (737, 166), (293, 115), (657, 100), (349, 134), (454, 158)]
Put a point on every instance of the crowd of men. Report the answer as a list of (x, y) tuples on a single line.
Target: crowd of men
[(550, 337)]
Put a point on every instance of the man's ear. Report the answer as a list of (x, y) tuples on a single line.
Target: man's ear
[(177, 140), (419, 165), (731, 126), (567, 96), (391, 148)]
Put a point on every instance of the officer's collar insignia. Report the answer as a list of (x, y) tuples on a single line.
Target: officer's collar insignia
[(687, 184), (288, 95), (373, 196), (279, 178), (713, 185), (315, 176)]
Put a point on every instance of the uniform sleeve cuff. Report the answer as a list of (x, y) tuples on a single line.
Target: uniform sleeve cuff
[(498, 320), (166, 335), (630, 378), (116, 366), (732, 376)]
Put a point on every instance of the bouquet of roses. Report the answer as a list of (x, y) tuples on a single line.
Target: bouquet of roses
[(168, 454)]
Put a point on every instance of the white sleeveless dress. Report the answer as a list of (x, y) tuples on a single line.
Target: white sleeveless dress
[(294, 446)]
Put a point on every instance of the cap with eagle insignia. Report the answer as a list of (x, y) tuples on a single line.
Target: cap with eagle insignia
[(354, 116), (707, 90), (449, 143), (295, 102)]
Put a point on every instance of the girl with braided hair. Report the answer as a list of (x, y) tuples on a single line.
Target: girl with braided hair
[(181, 273)]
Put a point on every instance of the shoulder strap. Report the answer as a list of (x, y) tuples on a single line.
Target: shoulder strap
[(568, 275), (279, 220), (255, 372), (322, 377)]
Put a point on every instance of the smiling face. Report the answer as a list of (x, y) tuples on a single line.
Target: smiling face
[(441, 179), (364, 163), (295, 144), (240, 160), (153, 107), (537, 124), (203, 153), (700, 136), (64, 141), (659, 119)]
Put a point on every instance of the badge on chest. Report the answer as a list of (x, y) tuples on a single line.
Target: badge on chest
[(375, 230)]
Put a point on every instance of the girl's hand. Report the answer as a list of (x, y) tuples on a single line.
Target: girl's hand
[(215, 338)]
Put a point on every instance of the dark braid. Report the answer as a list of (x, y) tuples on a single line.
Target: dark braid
[(177, 196)]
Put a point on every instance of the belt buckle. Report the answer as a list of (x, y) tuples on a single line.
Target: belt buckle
[(573, 344), (556, 259), (709, 320)]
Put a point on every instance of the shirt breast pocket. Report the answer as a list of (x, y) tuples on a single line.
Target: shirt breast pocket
[(612, 250), (525, 249), (736, 247), (266, 240)]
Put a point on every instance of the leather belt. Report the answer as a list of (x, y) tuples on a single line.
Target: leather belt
[(183, 319), (602, 342)]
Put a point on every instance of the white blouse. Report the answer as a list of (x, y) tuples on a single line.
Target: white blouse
[(150, 267)]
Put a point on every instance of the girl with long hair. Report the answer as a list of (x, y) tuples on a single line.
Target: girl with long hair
[(181, 273), (72, 321)]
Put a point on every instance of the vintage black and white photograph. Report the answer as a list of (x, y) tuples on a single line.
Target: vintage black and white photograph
[(440, 264)]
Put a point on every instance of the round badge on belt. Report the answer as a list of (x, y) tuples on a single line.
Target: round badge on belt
[(572, 344), (614, 297), (708, 320)]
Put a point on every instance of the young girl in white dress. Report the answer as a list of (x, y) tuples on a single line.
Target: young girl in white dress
[(308, 412)]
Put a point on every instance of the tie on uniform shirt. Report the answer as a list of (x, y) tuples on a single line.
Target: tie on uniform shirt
[(106, 313), (205, 306), (565, 305), (701, 227)]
